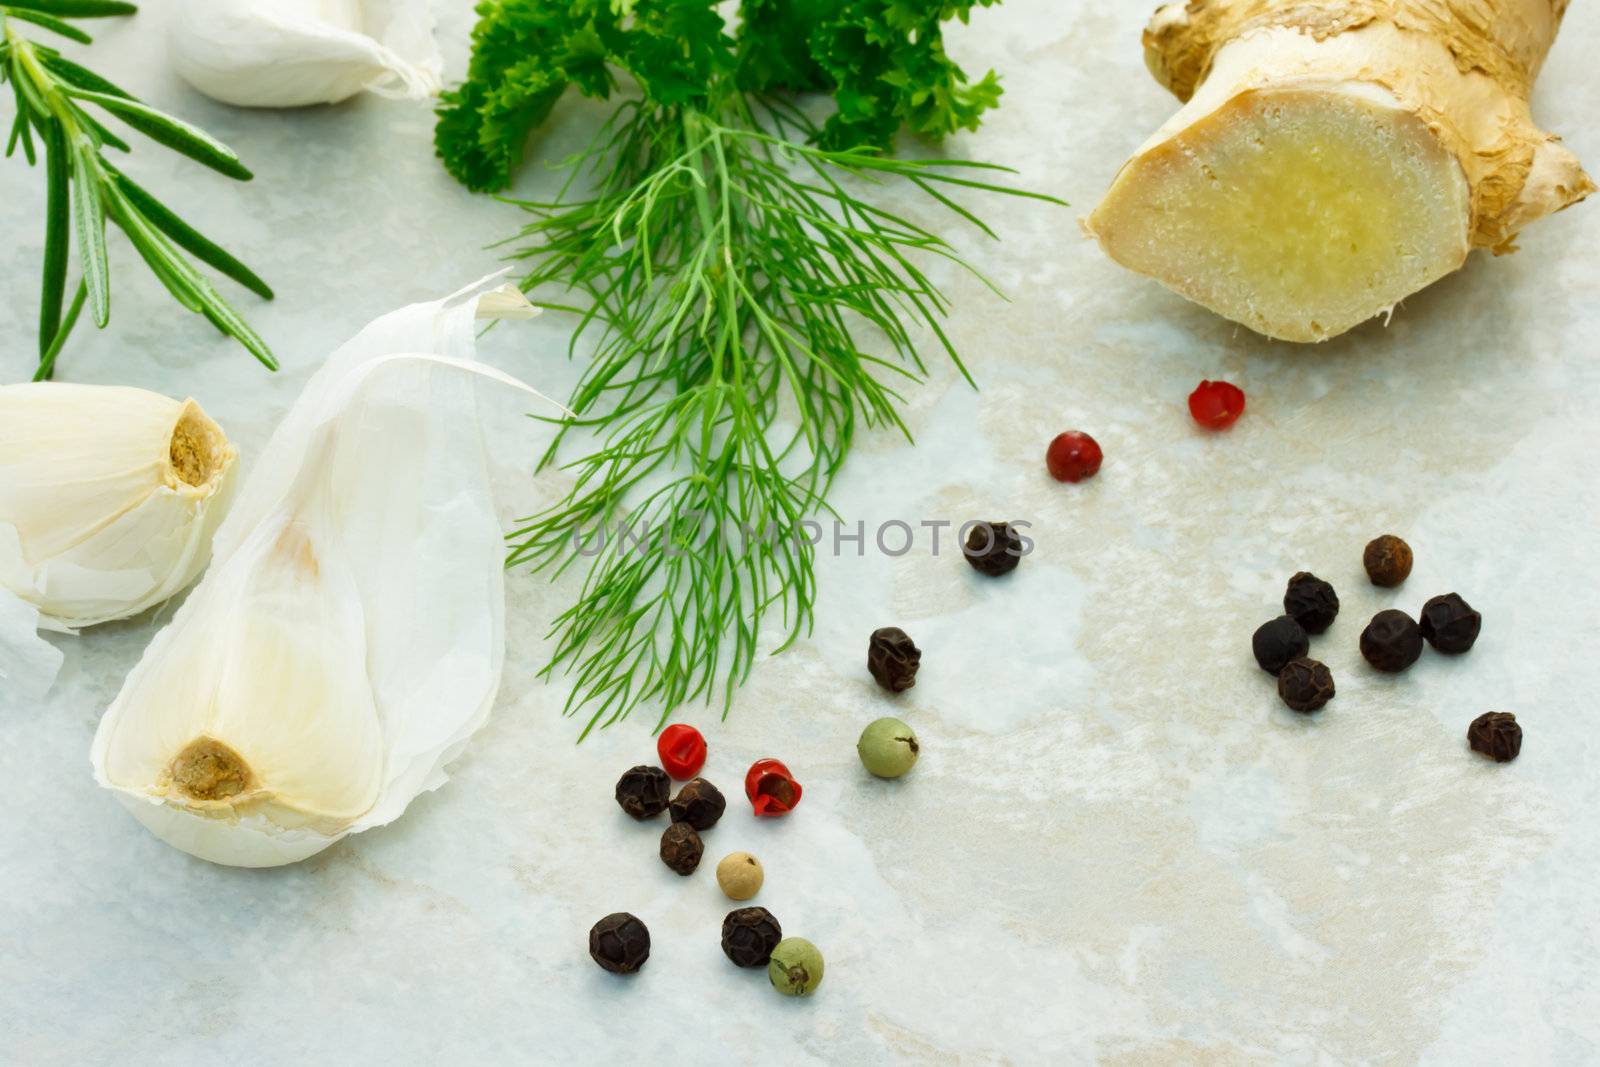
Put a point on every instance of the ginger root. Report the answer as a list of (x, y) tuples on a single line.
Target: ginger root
[(1335, 156)]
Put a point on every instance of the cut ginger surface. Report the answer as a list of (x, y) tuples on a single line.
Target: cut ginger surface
[(1299, 214), (1331, 157)]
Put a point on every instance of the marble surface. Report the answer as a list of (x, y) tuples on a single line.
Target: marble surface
[(1118, 847)]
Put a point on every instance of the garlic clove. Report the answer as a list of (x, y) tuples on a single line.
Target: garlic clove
[(254, 705), (108, 500), (350, 637), (296, 53)]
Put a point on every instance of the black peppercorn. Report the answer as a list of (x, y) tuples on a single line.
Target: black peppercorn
[(1392, 641), (1449, 624), (643, 791), (681, 848), (1311, 602), (698, 803), (1277, 642), (993, 548), (749, 935), (1388, 560), (893, 659), (1305, 685), (1496, 735), (620, 943)]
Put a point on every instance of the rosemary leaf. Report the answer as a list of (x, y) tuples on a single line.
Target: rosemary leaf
[(74, 9), (57, 234), (51, 23), (187, 237), (89, 216), (162, 128)]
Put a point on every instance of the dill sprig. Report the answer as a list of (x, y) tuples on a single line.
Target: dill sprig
[(84, 189), (736, 279)]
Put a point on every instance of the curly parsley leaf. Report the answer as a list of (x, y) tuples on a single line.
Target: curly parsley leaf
[(527, 52), (883, 61)]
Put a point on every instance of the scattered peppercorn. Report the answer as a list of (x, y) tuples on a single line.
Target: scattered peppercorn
[(1073, 456), (1305, 684), (1311, 602), (740, 875), (993, 548), (1277, 642), (893, 659), (888, 748), (619, 943), (643, 791), (682, 750), (681, 848), (1216, 405), (1388, 560), (1496, 734), (795, 968), (1449, 624), (1392, 641), (771, 788), (749, 935), (698, 803)]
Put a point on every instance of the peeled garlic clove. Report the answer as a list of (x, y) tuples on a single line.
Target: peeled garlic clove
[(253, 709), (108, 500), (294, 53), (349, 637)]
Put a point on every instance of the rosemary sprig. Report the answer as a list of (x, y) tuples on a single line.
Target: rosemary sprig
[(730, 272), (83, 188)]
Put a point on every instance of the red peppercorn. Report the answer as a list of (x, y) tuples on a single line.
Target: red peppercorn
[(771, 788), (1216, 405), (682, 751), (1073, 456)]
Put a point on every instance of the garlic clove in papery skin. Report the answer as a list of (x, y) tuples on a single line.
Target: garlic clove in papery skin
[(349, 638), (109, 497), (296, 53)]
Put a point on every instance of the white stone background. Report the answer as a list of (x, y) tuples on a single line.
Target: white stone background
[(1118, 846)]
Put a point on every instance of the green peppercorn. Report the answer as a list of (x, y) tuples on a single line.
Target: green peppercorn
[(888, 748), (795, 968)]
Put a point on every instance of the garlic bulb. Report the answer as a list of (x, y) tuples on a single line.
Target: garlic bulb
[(108, 500), (292, 53), (349, 636)]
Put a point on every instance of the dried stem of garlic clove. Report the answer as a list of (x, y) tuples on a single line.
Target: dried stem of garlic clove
[(108, 500), (294, 53), (350, 635)]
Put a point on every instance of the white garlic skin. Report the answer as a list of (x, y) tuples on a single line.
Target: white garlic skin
[(108, 498), (298, 53)]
